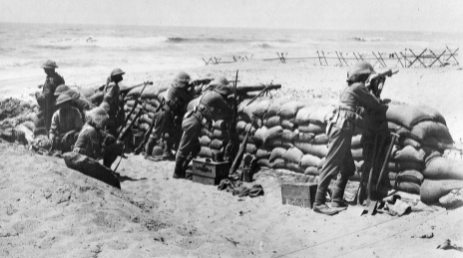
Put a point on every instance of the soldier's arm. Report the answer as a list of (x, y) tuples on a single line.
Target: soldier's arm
[(365, 98), (54, 133), (81, 144)]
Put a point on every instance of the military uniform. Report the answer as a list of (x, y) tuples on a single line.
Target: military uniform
[(339, 158), (212, 105), (47, 98), (65, 126)]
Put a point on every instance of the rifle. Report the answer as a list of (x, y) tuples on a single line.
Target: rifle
[(265, 90), (376, 81), (148, 133), (136, 103), (126, 89), (232, 126), (245, 89)]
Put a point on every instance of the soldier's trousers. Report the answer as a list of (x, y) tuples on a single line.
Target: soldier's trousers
[(338, 160), (189, 143)]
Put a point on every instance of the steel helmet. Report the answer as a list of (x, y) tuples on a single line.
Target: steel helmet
[(182, 77), (61, 89), (49, 64), (221, 80), (117, 71), (97, 115), (73, 94), (62, 99), (359, 68), (223, 89)]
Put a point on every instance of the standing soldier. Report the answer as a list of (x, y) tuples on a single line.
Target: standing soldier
[(169, 119), (47, 100), (65, 125), (111, 97), (339, 158), (212, 105)]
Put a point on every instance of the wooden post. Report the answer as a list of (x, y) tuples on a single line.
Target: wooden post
[(319, 59), (340, 53), (452, 54), (377, 60), (360, 56), (418, 57), (437, 57), (406, 59), (339, 58), (323, 53), (398, 58), (206, 62), (382, 60), (356, 56)]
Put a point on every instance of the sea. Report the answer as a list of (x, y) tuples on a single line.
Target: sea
[(102, 47)]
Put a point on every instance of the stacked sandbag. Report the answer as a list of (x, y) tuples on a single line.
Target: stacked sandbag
[(213, 139), (148, 101)]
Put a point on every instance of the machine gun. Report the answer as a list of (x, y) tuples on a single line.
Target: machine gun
[(125, 90)]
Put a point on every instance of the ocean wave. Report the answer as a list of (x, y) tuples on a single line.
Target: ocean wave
[(202, 40), (368, 39)]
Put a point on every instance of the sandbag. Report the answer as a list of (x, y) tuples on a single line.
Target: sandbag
[(146, 119), (320, 139), (278, 142), (289, 109), (398, 166), (293, 167), (309, 160), (411, 176), (272, 121), (304, 137), (272, 109), (313, 149), (357, 154), (356, 142), (88, 92), (406, 187), (440, 168), (359, 165), (432, 190), (153, 102), (91, 168), (151, 91), (96, 98), (293, 155), (272, 133), (278, 163), (240, 126), (277, 153), (287, 124), (205, 152), (312, 171), (143, 126), (321, 115), (150, 108), (408, 153), (220, 125), (218, 134), (408, 116), (407, 141), (303, 115), (430, 129), (216, 144), (313, 128), (262, 154), (206, 132), (261, 108), (264, 163), (204, 140), (251, 148), (288, 135)]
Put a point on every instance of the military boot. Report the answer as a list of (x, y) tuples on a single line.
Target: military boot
[(179, 171), (167, 151), (149, 147), (320, 206), (337, 200)]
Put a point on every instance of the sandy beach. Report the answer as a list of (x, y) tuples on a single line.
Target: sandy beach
[(51, 211)]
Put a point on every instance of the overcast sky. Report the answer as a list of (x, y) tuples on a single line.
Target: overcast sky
[(409, 15)]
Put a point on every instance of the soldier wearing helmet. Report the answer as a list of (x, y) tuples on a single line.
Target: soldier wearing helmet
[(168, 121), (78, 101), (340, 129), (46, 99), (111, 97), (212, 105), (94, 142), (65, 125)]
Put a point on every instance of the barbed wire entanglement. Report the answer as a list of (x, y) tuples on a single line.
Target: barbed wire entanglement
[(405, 59)]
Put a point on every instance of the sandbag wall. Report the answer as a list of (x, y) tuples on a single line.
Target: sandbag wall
[(148, 101), (291, 135)]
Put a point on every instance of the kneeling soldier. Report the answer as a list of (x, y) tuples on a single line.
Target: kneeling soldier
[(65, 125)]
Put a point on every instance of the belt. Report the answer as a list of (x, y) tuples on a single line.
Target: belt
[(347, 108)]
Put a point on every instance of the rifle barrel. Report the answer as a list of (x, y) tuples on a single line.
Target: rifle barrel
[(244, 89)]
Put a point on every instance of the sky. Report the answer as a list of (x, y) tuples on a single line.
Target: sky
[(379, 15)]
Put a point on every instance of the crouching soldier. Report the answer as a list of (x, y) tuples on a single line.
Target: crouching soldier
[(78, 101), (93, 144), (212, 105), (340, 129), (169, 119), (65, 125)]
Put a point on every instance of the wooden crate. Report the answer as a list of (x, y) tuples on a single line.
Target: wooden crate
[(298, 194), (209, 172)]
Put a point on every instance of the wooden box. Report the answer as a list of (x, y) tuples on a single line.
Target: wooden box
[(298, 194), (209, 172)]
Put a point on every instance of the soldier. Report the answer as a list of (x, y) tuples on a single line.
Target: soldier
[(111, 97), (46, 100), (94, 142), (78, 101), (212, 105), (339, 158), (169, 119), (65, 125)]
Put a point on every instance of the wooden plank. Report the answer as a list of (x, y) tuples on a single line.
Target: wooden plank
[(452, 54), (382, 60), (417, 57), (356, 56), (338, 58), (437, 57), (377, 60), (324, 58), (398, 58), (340, 53), (319, 58)]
